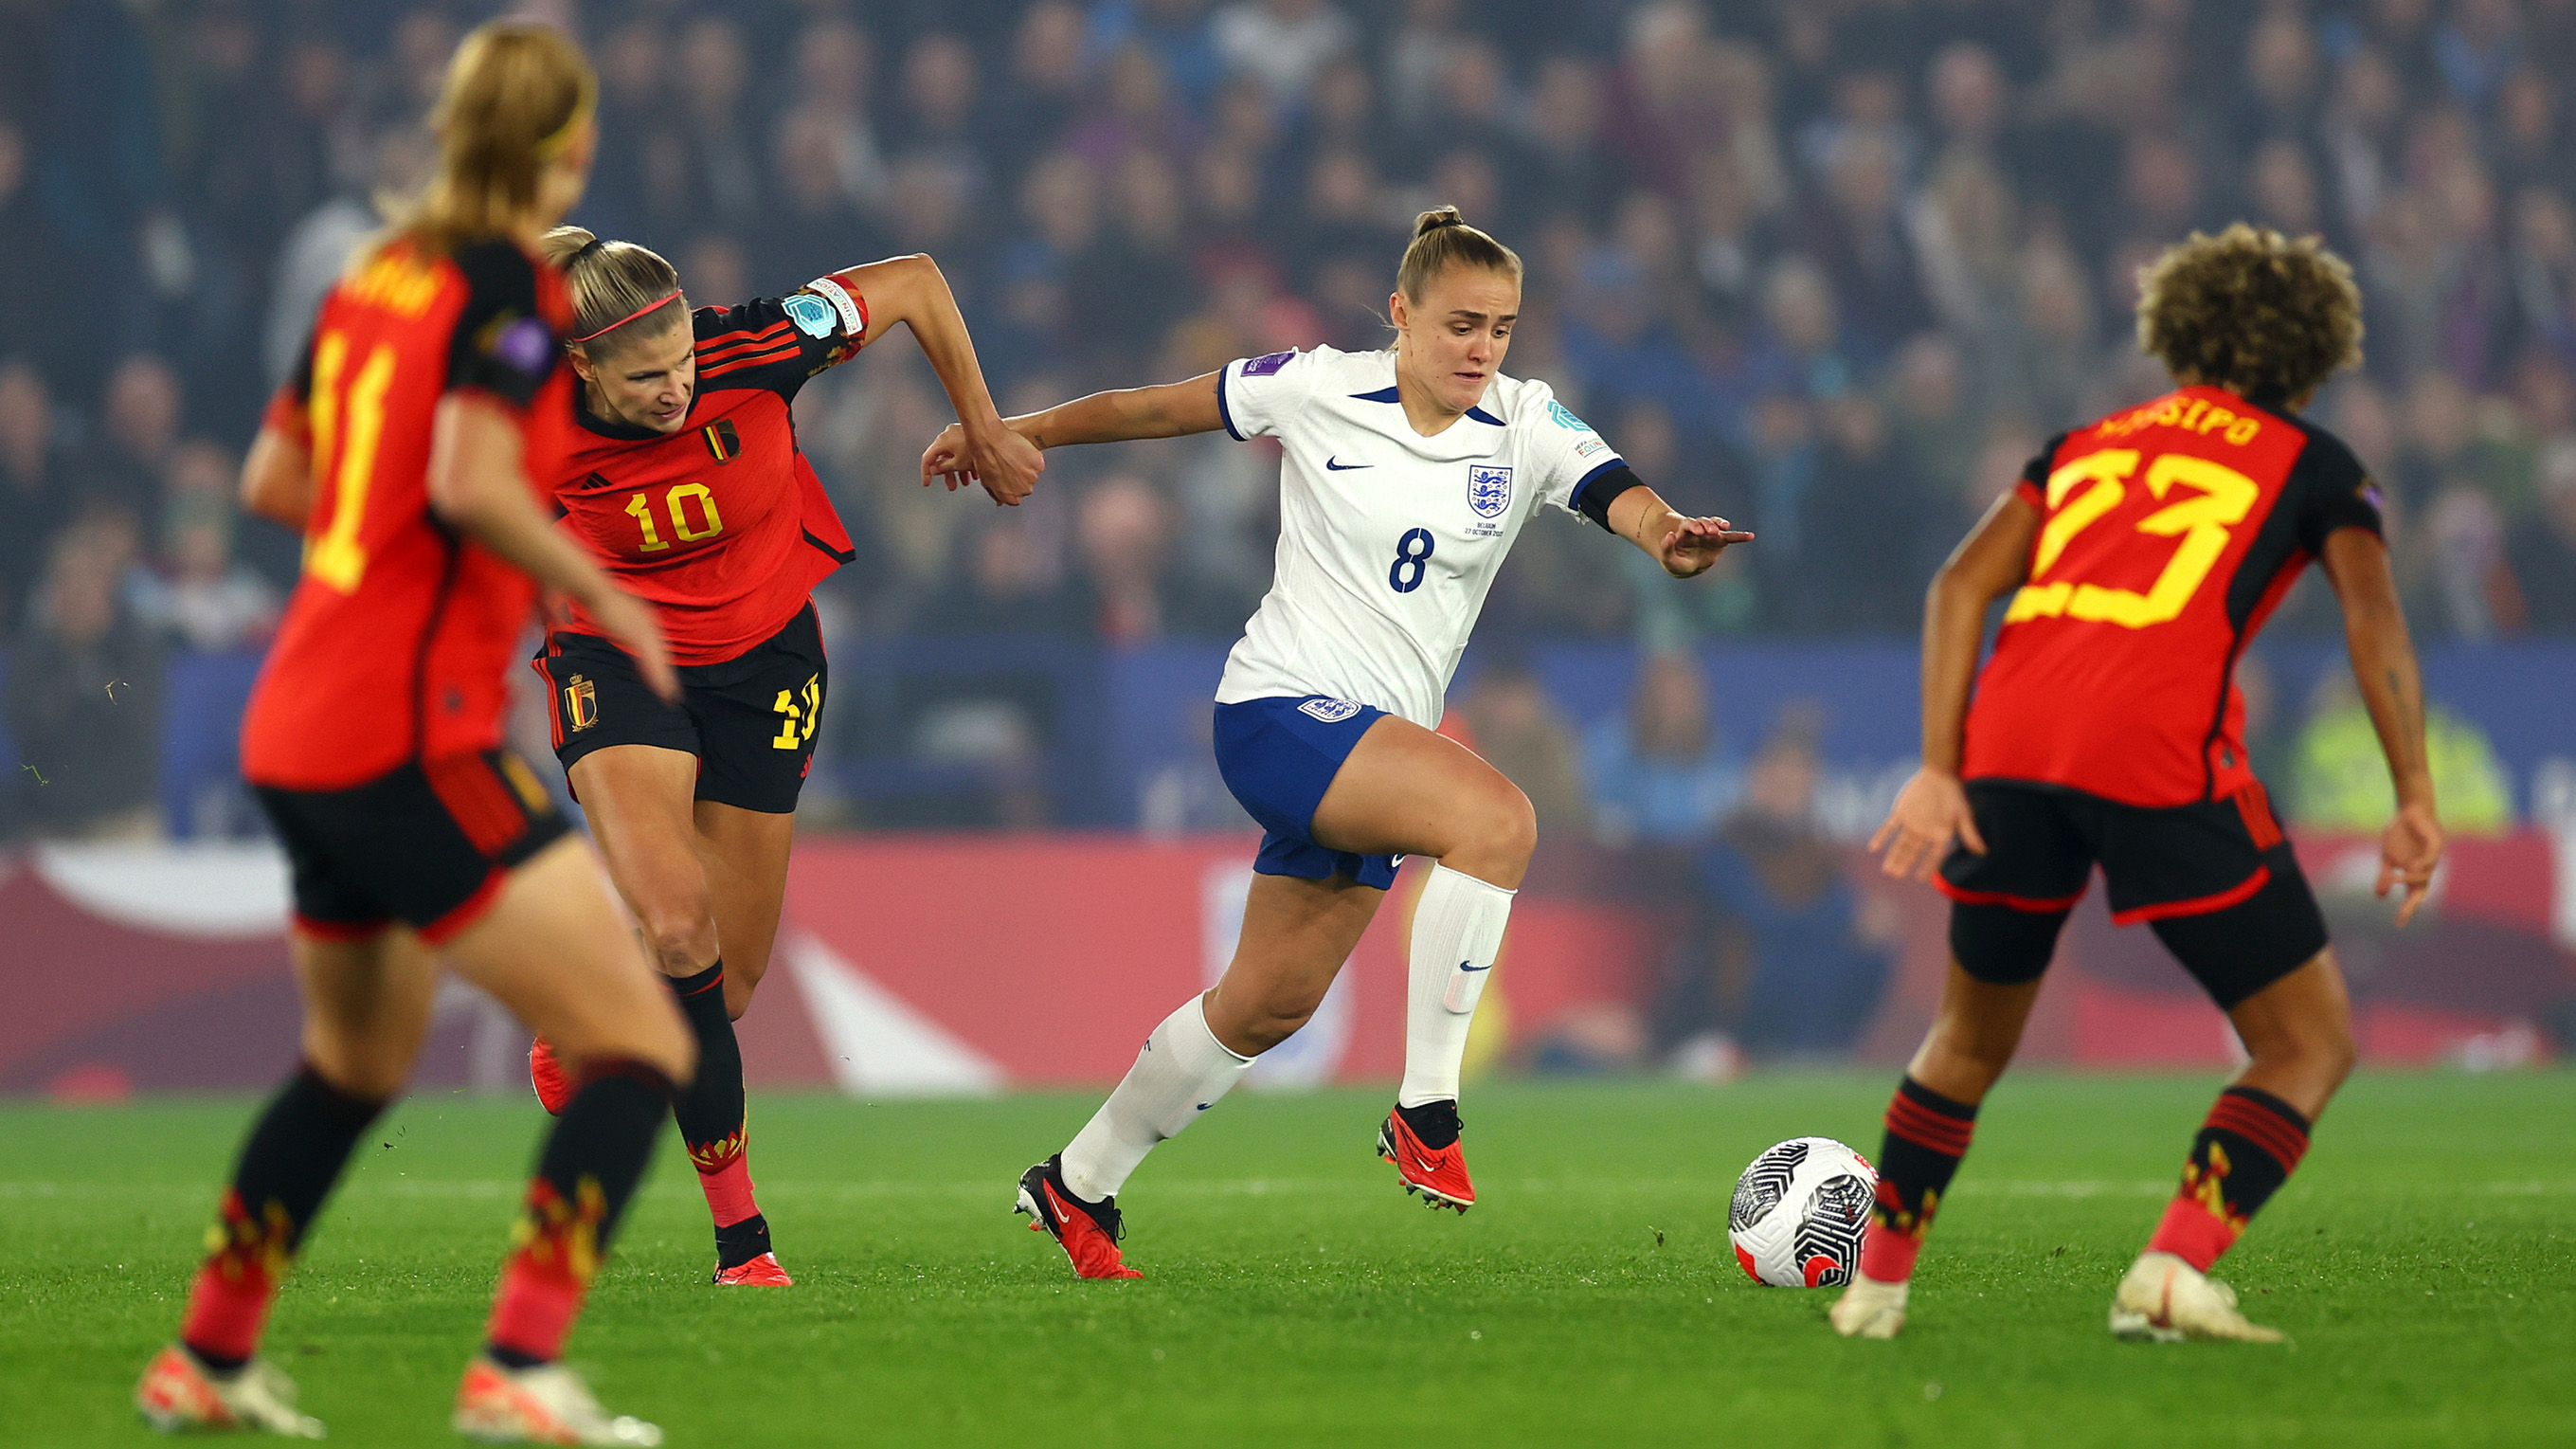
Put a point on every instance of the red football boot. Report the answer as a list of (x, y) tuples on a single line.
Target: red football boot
[(761, 1272), (1087, 1231), (546, 1074), (1438, 1173)]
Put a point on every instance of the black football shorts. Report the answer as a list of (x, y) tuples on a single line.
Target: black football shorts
[(2216, 879), (427, 844), (750, 720)]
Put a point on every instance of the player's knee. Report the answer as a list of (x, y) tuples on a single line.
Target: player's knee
[(374, 1071), (2319, 1053), (1497, 838), (681, 936)]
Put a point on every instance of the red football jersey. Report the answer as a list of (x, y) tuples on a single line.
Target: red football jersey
[(723, 524), (2172, 530), (397, 643)]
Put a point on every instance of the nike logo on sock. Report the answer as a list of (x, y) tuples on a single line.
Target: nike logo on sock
[(1463, 966), (1331, 466)]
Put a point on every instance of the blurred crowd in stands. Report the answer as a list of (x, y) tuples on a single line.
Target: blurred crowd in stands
[(1832, 268)]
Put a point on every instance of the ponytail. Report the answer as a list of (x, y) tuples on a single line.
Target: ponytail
[(1442, 239), (515, 98), (614, 284)]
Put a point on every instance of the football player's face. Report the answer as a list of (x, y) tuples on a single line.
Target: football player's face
[(1455, 336), (647, 382)]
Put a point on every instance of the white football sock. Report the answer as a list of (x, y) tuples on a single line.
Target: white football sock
[(1182, 1071), (1457, 932)]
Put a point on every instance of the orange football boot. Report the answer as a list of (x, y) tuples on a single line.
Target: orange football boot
[(1438, 1173), (1087, 1231)]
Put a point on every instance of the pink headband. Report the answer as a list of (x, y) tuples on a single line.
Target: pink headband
[(631, 316)]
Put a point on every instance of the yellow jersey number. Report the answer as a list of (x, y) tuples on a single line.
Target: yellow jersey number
[(2220, 498), (335, 555), (675, 501)]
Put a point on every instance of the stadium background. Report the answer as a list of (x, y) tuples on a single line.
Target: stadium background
[(1832, 269)]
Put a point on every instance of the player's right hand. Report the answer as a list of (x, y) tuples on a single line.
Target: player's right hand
[(1930, 811), (634, 627), (2408, 852), (944, 461)]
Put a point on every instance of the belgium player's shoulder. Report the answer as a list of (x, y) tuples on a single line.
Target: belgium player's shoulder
[(496, 271), (2325, 454)]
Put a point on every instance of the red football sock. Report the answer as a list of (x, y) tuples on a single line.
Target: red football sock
[(228, 1303), (728, 1191)]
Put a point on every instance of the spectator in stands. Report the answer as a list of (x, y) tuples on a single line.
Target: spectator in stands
[(1284, 44), (139, 420), (2339, 780), (34, 481), (1814, 966), (83, 697), (1519, 729), (196, 592), (2542, 551), (1009, 579), (1176, 33), (1659, 771), (33, 281)]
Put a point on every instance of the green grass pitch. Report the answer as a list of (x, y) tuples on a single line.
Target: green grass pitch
[(2424, 1261)]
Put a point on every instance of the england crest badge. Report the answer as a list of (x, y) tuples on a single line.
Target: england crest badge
[(1489, 491)]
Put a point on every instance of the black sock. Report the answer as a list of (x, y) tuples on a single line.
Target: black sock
[(1436, 1123), (604, 1139), (709, 1109), (710, 1114), (1927, 1135), (295, 1152), (739, 1243)]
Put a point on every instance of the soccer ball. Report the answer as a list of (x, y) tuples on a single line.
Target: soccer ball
[(1799, 1212)]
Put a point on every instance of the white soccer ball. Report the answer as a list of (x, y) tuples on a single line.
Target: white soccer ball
[(1799, 1212)]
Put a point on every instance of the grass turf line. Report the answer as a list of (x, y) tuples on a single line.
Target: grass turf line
[(2424, 1259)]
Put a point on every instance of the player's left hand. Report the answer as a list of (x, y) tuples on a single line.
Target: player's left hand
[(1693, 546), (2408, 852), (1930, 812)]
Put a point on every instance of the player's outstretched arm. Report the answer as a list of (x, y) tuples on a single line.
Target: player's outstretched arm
[(2392, 689), (1166, 411), (277, 478), (1685, 546), (477, 484), (913, 291), (1932, 809)]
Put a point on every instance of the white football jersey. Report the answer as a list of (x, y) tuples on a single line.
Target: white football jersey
[(1388, 540)]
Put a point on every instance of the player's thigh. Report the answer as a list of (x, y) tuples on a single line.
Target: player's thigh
[(553, 948), (638, 799), (368, 1004), (744, 855), (1405, 790), (1296, 935)]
